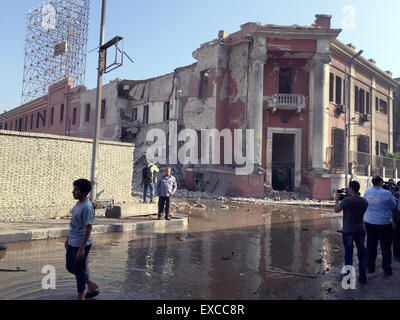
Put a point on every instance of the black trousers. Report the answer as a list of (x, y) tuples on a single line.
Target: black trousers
[(384, 234), (163, 202), (396, 240)]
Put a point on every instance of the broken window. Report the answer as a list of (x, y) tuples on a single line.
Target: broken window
[(338, 148), (338, 90), (146, 115), (134, 114), (166, 111), (74, 116), (103, 109), (87, 116), (331, 88), (384, 148), (204, 80), (285, 81)]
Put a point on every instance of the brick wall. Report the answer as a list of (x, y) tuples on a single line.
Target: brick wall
[(37, 172)]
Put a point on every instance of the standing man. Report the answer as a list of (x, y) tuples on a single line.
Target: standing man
[(166, 188), (378, 223), (396, 227), (148, 180), (79, 241), (354, 208)]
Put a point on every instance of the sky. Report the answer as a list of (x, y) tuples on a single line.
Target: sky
[(160, 35)]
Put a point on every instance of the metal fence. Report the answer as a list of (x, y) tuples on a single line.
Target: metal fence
[(362, 163)]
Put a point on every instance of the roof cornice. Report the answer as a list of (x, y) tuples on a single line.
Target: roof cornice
[(347, 53)]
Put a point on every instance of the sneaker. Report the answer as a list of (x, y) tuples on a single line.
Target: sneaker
[(168, 218)]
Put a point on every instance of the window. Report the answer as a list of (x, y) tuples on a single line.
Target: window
[(37, 120), (166, 111), (74, 116), (204, 79), (20, 123), (103, 109), (376, 104), (383, 106), (146, 114), (363, 144), (357, 99), (11, 125), (16, 125), (338, 90), (31, 126), (62, 113), (331, 88), (134, 114), (52, 116), (338, 148), (377, 148), (285, 81), (367, 103), (87, 117), (361, 102), (44, 118), (26, 123)]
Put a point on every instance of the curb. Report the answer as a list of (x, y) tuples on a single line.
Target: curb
[(56, 233)]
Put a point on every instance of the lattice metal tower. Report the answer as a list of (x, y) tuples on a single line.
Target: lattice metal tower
[(56, 46)]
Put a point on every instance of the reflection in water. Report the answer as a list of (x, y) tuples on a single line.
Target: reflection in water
[(227, 257)]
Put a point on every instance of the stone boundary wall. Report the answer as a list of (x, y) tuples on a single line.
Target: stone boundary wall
[(37, 172)]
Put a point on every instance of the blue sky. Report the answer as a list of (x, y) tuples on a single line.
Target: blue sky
[(161, 35)]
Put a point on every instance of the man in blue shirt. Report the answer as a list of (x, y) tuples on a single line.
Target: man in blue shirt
[(378, 223), (354, 208), (166, 188), (79, 241)]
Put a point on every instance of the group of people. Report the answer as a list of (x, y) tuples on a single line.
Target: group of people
[(165, 188), (375, 216)]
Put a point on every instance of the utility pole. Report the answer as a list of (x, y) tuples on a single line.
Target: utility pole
[(346, 113), (99, 94)]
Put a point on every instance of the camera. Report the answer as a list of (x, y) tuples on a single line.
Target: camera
[(343, 193), (390, 186)]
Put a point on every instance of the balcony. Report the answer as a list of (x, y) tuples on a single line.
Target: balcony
[(295, 102)]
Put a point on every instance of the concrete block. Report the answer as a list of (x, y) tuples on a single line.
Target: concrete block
[(114, 213)]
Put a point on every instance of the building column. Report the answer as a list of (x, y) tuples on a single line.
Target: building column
[(352, 114), (256, 95), (391, 120), (320, 115), (373, 118)]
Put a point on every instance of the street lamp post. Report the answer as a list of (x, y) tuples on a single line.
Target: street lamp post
[(99, 94), (347, 125)]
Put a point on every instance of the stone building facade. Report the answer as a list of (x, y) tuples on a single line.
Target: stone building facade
[(289, 84)]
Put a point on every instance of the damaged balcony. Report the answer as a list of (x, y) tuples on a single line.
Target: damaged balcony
[(281, 101)]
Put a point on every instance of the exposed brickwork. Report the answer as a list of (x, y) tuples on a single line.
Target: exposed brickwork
[(37, 172)]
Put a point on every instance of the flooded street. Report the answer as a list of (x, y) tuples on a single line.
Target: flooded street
[(239, 253)]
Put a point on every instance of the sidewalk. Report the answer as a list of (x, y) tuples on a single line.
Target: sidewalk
[(54, 229)]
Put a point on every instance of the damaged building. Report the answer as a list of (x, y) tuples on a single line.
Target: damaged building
[(289, 84)]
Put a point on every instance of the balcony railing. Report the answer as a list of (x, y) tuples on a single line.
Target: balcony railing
[(286, 102)]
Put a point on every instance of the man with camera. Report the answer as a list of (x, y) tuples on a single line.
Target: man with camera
[(354, 207), (378, 223)]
